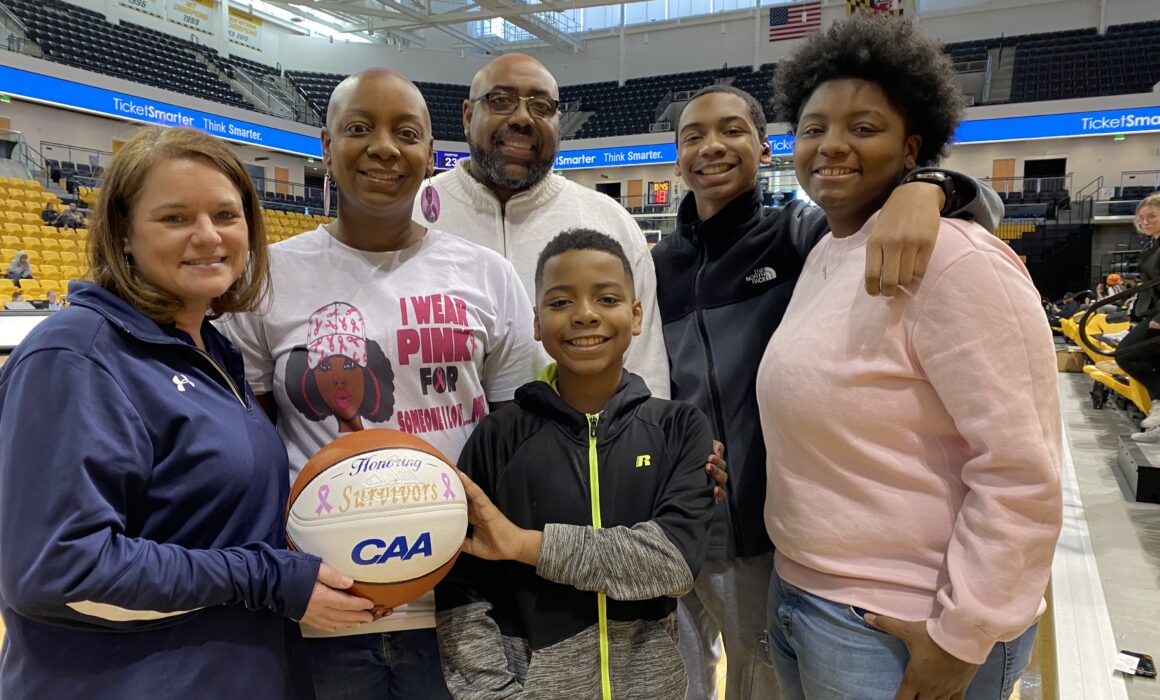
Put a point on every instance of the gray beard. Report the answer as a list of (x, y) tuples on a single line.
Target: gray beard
[(492, 165)]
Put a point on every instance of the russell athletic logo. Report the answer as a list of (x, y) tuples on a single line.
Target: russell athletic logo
[(376, 551), (761, 275)]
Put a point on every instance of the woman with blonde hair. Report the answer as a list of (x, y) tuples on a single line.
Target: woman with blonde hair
[(144, 555), (1143, 363)]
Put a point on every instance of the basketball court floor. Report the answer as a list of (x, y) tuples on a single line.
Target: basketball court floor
[(1105, 593)]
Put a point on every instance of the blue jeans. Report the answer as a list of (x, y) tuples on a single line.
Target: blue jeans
[(382, 666), (824, 650)]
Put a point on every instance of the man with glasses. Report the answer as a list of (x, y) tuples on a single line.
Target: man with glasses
[(505, 196)]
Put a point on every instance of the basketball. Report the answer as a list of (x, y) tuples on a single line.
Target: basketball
[(385, 508)]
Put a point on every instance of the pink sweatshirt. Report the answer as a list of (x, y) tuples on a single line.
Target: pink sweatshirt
[(914, 441)]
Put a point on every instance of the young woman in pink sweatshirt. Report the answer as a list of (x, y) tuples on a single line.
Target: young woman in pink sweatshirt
[(913, 493)]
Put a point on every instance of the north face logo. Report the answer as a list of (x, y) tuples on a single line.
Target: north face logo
[(761, 275)]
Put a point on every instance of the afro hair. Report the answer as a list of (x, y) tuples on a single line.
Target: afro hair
[(912, 70)]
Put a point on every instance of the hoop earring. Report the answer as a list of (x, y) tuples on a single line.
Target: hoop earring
[(429, 202), (326, 193)]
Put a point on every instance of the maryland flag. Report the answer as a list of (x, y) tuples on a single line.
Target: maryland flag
[(880, 7)]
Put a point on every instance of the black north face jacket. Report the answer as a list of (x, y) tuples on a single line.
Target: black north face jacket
[(722, 287)]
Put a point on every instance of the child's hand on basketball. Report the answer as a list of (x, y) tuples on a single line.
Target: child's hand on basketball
[(494, 536), (330, 608), (715, 467)]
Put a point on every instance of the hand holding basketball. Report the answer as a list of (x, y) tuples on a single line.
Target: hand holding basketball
[(494, 536), (330, 608)]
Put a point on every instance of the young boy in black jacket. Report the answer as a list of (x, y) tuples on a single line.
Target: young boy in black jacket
[(589, 504), (724, 279)]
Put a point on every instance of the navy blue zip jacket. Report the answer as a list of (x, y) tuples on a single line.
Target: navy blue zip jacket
[(141, 533)]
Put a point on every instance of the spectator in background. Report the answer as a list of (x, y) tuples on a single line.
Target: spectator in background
[(1112, 285), (72, 217), (18, 295), (1143, 363), (19, 268), (53, 299), (50, 214)]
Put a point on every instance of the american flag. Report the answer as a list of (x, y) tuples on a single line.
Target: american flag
[(794, 21)]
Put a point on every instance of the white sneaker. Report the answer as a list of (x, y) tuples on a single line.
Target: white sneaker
[(1149, 435), (1153, 418)]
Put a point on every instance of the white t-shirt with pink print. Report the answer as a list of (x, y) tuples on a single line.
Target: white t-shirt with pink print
[(419, 340)]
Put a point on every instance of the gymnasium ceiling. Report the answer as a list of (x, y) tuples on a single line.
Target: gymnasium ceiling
[(406, 22)]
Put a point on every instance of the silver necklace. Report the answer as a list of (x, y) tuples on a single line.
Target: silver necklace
[(827, 268)]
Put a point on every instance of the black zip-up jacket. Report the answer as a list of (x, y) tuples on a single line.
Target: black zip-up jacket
[(722, 287), (1147, 306), (624, 504)]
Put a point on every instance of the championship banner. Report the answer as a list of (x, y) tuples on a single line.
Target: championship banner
[(149, 7), (245, 29), (192, 14), (879, 7)]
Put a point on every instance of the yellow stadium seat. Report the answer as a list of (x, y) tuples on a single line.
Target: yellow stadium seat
[(14, 204), (52, 256), (32, 213), (31, 230), (49, 272), (7, 254), (70, 272), (82, 233), (70, 257), (50, 243), (32, 242), (7, 286), (31, 287), (6, 216), (13, 228), (68, 244)]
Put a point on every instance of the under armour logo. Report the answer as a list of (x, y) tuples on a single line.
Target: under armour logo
[(181, 381), (643, 461), (761, 275)]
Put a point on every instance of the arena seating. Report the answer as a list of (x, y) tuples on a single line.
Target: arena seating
[(1075, 63), (444, 101), (79, 37), (56, 255), (1056, 65), (281, 225), (1080, 63)]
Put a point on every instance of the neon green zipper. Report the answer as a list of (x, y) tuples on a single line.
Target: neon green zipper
[(601, 599)]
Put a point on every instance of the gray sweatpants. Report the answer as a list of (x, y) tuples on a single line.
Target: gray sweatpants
[(729, 599)]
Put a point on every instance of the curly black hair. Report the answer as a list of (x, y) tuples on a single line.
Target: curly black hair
[(912, 70), (581, 239)]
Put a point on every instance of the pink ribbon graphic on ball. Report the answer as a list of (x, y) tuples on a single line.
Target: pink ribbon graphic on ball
[(448, 492), (323, 504)]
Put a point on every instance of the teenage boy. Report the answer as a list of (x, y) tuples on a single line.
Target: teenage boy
[(589, 505), (724, 280)]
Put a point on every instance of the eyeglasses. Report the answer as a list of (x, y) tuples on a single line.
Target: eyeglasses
[(507, 103)]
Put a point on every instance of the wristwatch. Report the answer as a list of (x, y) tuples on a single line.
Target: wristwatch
[(935, 177)]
